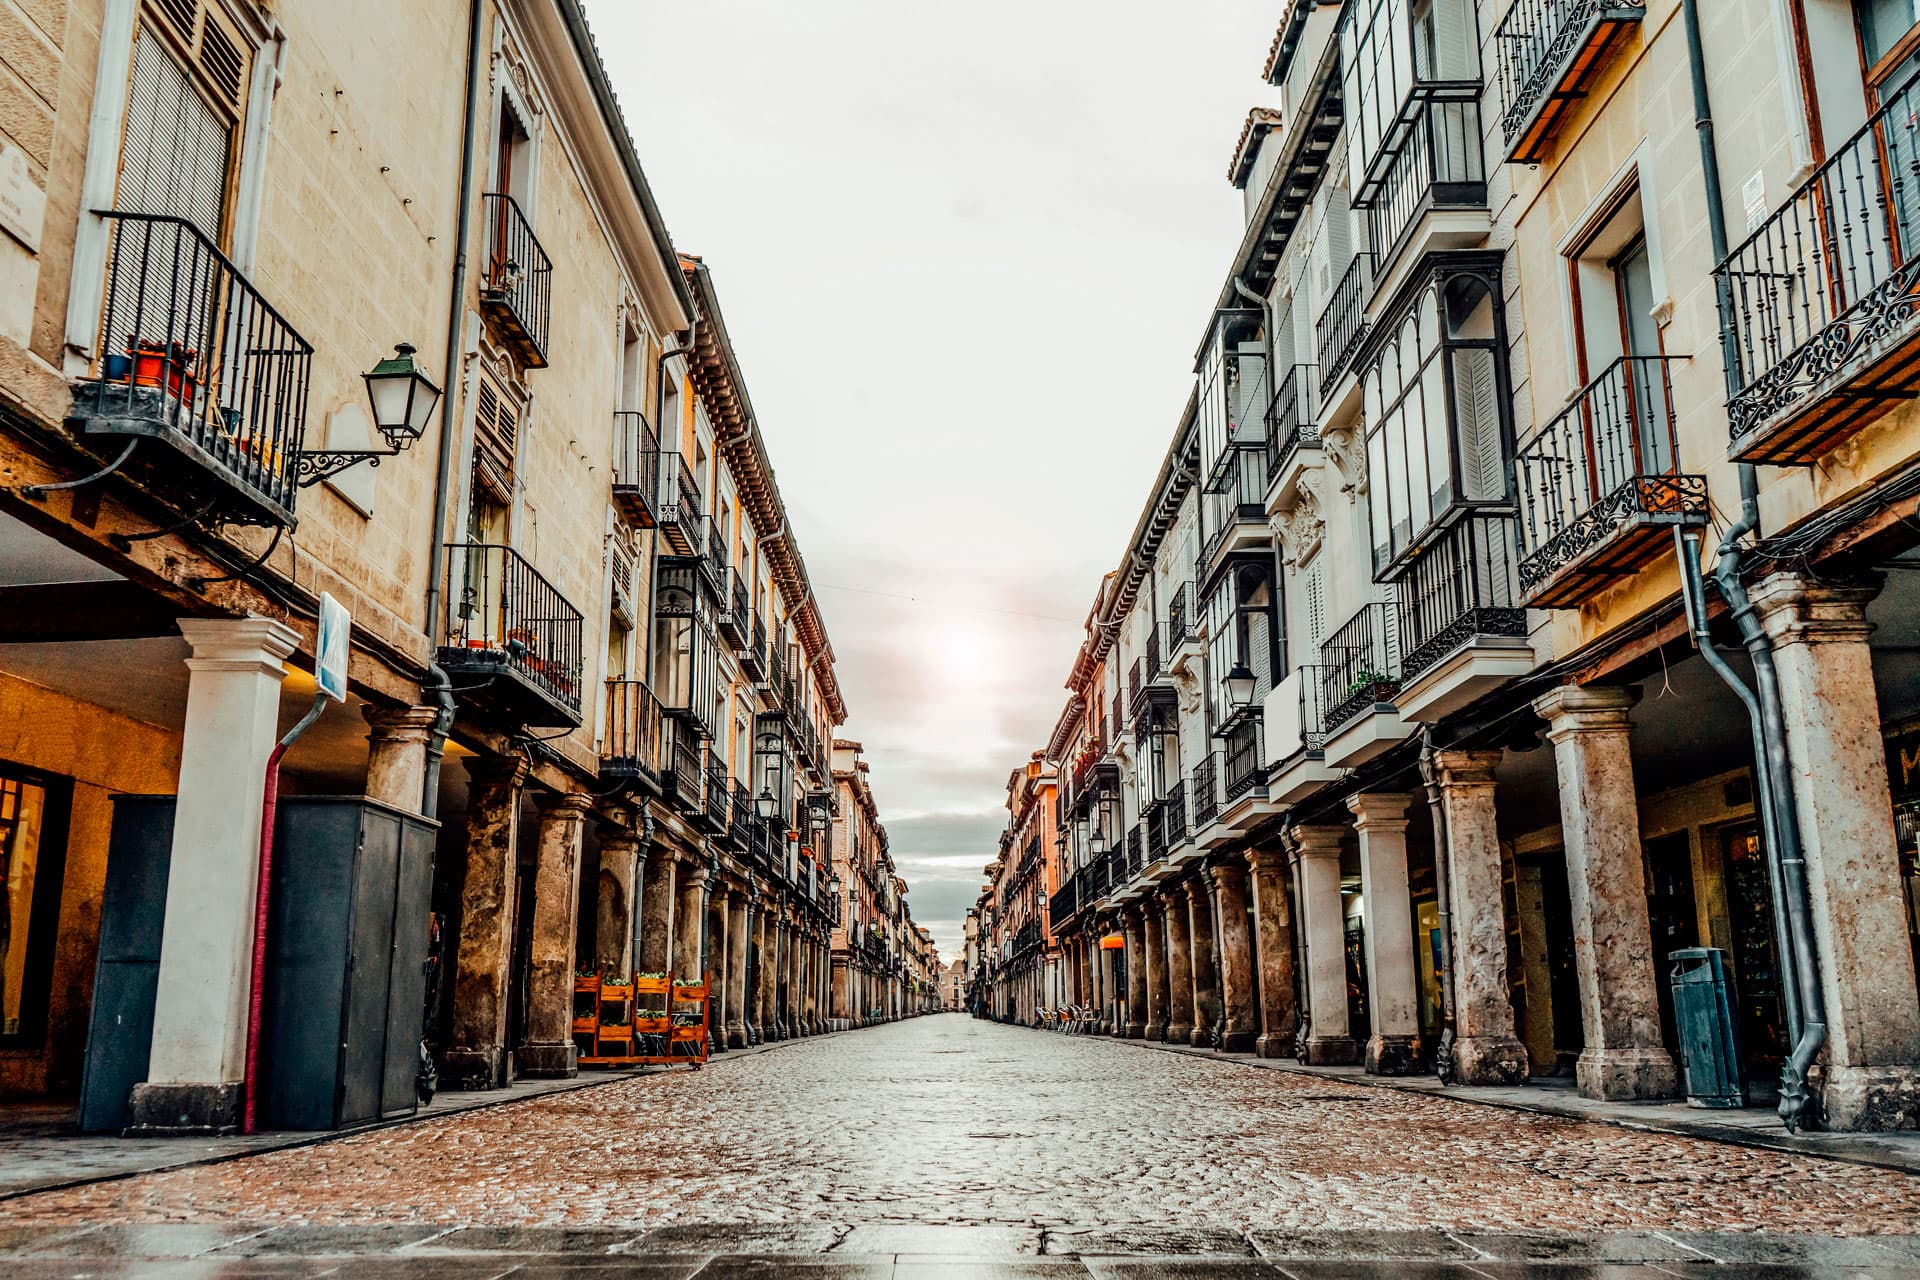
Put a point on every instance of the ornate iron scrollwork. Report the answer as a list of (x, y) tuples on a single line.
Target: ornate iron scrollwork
[(1662, 499)]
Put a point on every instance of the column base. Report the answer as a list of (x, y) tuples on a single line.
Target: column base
[(1489, 1060), (1331, 1051), (182, 1110), (1157, 1032), (548, 1060), (1274, 1046), (1393, 1055), (1870, 1099), (1198, 1037), (468, 1067), (1626, 1075), (736, 1036), (1136, 1031), (1180, 1034)]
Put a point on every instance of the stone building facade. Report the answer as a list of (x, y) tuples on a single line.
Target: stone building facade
[(1546, 454), (878, 953), (584, 647)]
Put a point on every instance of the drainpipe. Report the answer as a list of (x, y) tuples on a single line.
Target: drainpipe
[(1442, 864), (1775, 792)]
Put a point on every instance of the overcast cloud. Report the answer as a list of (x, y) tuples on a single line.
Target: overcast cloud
[(965, 254)]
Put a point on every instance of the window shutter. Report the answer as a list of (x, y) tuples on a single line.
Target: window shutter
[(621, 560), (1316, 605), (1483, 461), (185, 102), (495, 427)]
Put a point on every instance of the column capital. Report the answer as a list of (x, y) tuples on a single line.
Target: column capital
[(1319, 841), (619, 838), (1265, 859), (1379, 810), (1229, 874), (497, 771), (1466, 768), (402, 723), (564, 804), (251, 643), (1585, 708), (1793, 610)]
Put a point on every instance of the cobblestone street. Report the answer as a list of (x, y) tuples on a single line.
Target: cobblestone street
[(949, 1121)]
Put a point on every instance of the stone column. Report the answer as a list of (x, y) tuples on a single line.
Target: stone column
[(549, 1051), (1624, 1055), (1236, 956), (1136, 1013), (1206, 972), (614, 913), (1097, 964), (690, 887), (737, 969), (720, 1010), (1279, 982), (476, 1054), (1180, 1024), (198, 1053), (842, 988), (1840, 790), (1380, 819), (656, 912), (397, 753), (1485, 1050), (1323, 921), (760, 1028), (1154, 923)]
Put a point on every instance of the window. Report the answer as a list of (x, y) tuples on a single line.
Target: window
[(185, 100), (496, 430), (33, 850), (1394, 53), (1242, 628), (1436, 411)]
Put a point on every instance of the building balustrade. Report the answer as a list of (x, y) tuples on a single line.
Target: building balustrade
[(1206, 800), (636, 469), (1463, 584), (732, 619), (682, 773), (1551, 51), (632, 742), (1290, 418), (1343, 321), (1357, 665), (1438, 167), (1241, 768), (516, 284), (507, 623), (680, 509)]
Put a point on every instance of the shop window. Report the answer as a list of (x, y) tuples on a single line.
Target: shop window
[(33, 853)]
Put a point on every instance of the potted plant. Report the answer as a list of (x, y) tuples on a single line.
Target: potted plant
[(1373, 686), (168, 365)]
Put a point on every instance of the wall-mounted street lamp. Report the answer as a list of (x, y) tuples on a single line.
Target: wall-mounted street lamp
[(1240, 684), (402, 397)]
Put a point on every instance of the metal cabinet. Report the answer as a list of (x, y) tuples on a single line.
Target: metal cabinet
[(133, 908)]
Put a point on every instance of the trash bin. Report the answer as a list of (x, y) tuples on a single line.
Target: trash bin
[(1703, 1023)]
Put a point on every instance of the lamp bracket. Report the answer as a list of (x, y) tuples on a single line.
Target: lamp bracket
[(313, 466)]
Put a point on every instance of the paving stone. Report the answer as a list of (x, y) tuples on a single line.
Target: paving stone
[(912, 1268), (541, 1240), (915, 1238), (1780, 1248), (326, 1241), (745, 1238), (1216, 1241), (1613, 1246), (1184, 1269), (750, 1268), (1434, 1245), (144, 1240)]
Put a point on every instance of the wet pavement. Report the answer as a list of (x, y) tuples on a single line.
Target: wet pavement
[(902, 1149)]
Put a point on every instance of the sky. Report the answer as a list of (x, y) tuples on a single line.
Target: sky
[(965, 253)]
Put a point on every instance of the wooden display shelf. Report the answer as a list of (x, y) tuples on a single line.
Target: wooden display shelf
[(645, 1021)]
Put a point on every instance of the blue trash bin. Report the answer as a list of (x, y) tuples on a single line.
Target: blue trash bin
[(1703, 1024)]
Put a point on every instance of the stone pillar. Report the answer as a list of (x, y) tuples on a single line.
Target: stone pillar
[(656, 912), (1097, 963), (690, 887), (1380, 819), (476, 1054), (397, 753), (1624, 1055), (737, 969), (1839, 778), (720, 1009), (842, 988), (1136, 1012), (1205, 969), (1180, 1022), (1279, 981), (1485, 1050), (614, 912), (759, 1026), (1154, 923), (1323, 921), (549, 1051), (1237, 956), (206, 951)]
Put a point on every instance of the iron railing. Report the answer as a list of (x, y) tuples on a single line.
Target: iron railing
[(1357, 667), (1609, 459), (681, 766), (680, 508), (1240, 766), (518, 277), (1179, 616), (1828, 281), (636, 467), (1343, 321), (740, 821), (501, 614), (633, 729), (1134, 853), (1301, 728), (1542, 43), (1290, 418), (1242, 499), (1173, 816), (717, 557), (717, 783), (1463, 584), (1439, 165), (1154, 822), (1206, 800), (190, 353)]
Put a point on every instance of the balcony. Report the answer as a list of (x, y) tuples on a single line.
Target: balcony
[(682, 515), (511, 637), (1182, 628), (1290, 421), (753, 652), (1135, 861), (713, 813), (1205, 799), (1600, 487), (1551, 52), (192, 356), (1463, 631), (1173, 816), (516, 285), (740, 821), (1296, 737), (1236, 514), (681, 772), (1438, 172), (735, 626), (1359, 679), (1343, 322), (1819, 300), (1243, 773), (631, 746), (636, 469), (715, 559)]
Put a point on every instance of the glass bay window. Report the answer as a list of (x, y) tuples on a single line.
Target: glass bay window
[(1396, 56), (1439, 435)]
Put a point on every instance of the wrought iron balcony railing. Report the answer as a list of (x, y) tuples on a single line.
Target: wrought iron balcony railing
[(1180, 616), (740, 820), (1464, 584), (1600, 484), (1155, 823), (753, 653), (681, 771), (717, 791), (1152, 656), (1357, 666), (191, 355), (631, 747), (1241, 501), (1820, 298), (505, 621), (1550, 53), (717, 558), (1240, 765), (1299, 727), (636, 469), (1173, 816), (1206, 800), (1290, 419), (516, 286), (1439, 167), (1135, 861), (1343, 321), (681, 512), (731, 614)]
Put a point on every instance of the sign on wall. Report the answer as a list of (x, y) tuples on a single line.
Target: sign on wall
[(330, 657)]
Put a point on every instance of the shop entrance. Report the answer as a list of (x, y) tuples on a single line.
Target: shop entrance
[(1759, 1018), (1672, 915)]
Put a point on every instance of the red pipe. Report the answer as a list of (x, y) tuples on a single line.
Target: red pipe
[(256, 991)]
